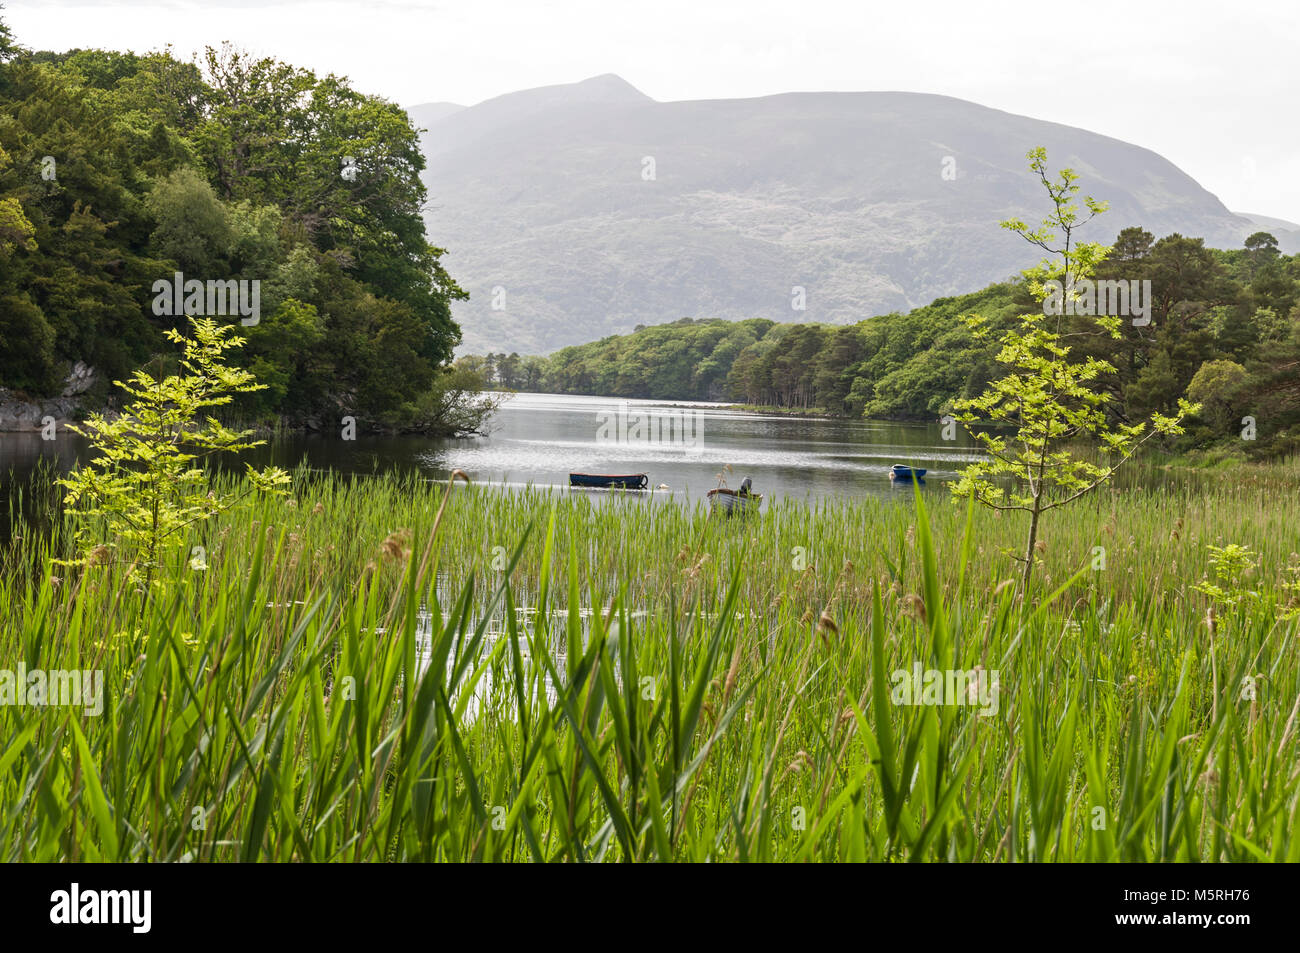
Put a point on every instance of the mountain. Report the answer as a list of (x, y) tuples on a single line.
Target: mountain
[(1286, 233), (563, 232), (426, 114)]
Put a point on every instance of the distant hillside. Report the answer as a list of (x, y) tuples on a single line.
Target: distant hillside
[(426, 114), (1287, 233), (1225, 325), (541, 194)]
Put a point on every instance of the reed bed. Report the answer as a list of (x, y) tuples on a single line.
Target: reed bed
[(386, 669)]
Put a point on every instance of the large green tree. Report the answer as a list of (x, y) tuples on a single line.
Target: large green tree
[(123, 169)]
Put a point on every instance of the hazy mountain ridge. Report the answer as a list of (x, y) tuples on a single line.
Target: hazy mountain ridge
[(1286, 232), (426, 114), (541, 193)]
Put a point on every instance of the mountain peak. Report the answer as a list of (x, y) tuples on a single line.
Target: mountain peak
[(605, 88), (613, 87)]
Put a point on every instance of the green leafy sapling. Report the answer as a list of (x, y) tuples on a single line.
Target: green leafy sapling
[(145, 483), (1048, 404), (1232, 565)]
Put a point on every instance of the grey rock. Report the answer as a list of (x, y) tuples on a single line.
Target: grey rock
[(79, 380), (23, 416)]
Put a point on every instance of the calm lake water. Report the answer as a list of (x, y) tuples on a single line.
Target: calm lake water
[(539, 439)]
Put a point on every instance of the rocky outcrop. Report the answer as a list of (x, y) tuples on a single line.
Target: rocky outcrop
[(20, 415), (80, 380)]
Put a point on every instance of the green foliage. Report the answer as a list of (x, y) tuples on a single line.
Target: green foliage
[(458, 400), (280, 349), (915, 365), (16, 230), (1231, 564), (193, 226), (1262, 248), (146, 483), (8, 46), (1206, 305), (1215, 388), (898, 366), (1049, 399), (233, 168)]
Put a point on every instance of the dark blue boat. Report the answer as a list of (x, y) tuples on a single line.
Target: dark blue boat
[(900, 472), (610, 481)]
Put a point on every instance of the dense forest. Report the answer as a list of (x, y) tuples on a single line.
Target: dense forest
[(119, 170), (1224, 329)]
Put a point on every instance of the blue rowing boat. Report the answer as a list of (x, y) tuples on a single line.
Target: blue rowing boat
[(610, 481), (900, 472)]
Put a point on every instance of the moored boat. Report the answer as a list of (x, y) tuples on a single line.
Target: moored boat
[(723, 500), (610, 481), (900, 471)]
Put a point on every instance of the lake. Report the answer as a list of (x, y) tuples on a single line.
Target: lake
[(539, 439)]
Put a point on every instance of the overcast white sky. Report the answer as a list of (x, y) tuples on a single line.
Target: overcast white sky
[(1212, 86)]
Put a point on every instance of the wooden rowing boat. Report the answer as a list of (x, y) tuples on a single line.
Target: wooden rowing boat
[(723, 500)]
